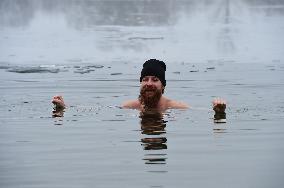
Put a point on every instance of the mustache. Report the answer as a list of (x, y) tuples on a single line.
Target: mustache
[(149, 88)]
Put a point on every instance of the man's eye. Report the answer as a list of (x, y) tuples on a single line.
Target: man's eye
[(155, 79)]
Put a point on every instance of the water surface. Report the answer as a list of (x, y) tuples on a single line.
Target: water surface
[(92, 52)]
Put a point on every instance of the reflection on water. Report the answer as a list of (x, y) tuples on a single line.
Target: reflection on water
[(153, 128), (220, 128), (58, 112)]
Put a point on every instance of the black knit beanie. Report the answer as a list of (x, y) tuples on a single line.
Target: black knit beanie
[(154, 67)]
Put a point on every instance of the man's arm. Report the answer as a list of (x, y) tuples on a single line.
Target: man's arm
[(132, 104), (177, 105)]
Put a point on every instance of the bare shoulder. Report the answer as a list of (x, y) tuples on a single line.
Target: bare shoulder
[(135, 104), (176, 104)]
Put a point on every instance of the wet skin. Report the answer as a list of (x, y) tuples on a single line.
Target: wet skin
[(151, 83), (59, 106)]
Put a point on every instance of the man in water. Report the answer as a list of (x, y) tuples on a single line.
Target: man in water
[(152, 86)]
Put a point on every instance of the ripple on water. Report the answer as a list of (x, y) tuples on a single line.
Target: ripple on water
[(116, 73)]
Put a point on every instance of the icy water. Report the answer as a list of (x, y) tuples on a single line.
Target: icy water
[(92, 52)]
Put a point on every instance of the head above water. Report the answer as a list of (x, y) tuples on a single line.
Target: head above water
[(154, 67)]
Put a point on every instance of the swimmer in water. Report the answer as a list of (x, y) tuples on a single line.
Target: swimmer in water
[(152, 86)]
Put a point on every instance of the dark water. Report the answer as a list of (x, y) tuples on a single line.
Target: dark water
[(91, 52), (97, 144)]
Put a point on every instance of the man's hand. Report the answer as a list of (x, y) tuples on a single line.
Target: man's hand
[(58, 102), (219, 105)]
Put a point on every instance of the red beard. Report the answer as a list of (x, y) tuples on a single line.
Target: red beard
[(150, 96)]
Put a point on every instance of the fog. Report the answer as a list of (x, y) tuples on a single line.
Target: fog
[(55, 31)]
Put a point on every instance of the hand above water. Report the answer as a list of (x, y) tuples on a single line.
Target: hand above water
[(219, 105), (58, 102)]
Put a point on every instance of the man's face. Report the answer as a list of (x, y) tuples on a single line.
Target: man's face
[(151, 90)]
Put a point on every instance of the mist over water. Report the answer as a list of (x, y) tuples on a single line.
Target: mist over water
[(62, 32)]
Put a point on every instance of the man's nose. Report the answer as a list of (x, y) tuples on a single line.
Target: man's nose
[(149, 82)]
